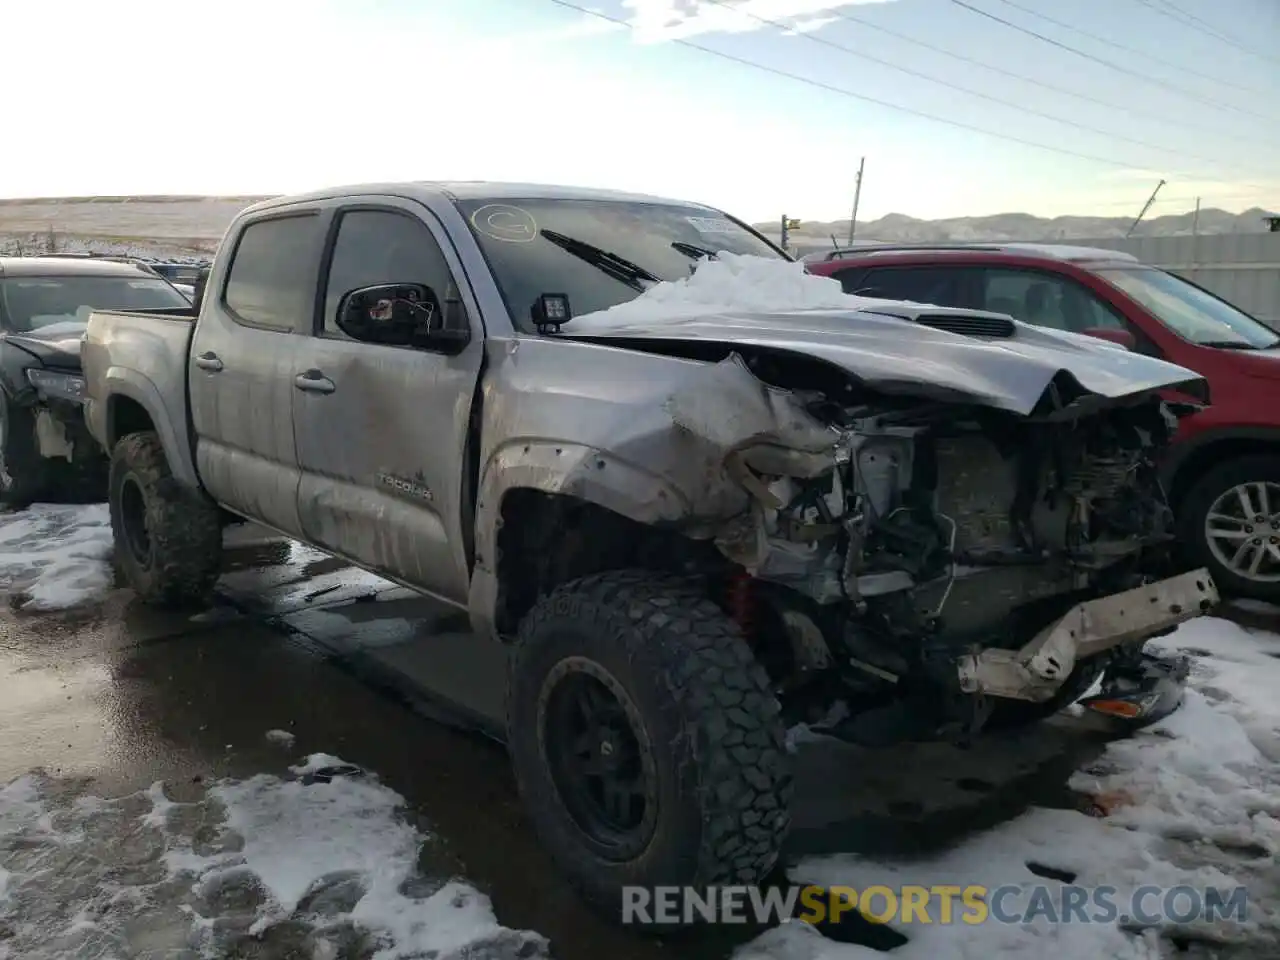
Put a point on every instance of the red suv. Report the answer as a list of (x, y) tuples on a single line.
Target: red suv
[(1223, 475)]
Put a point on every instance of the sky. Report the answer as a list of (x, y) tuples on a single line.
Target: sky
[(760, 107)]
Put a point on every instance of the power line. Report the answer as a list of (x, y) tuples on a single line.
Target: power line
[(1181, 68), (1208, 198), (831, 88), (1191, 21), (854, 95), (1107, 63), (814, 38), (1159, 118)]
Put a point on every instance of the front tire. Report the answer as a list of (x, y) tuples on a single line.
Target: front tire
[(645, 739), (168, 540), (1229, 521)]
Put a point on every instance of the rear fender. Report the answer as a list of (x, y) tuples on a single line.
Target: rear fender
[(121, 382)]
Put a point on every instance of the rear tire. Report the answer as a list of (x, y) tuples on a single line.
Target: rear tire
[(1217, 493), (24, 474), (168, 540), (695, 739)]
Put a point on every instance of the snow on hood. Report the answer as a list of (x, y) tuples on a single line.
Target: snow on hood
[(734, 283), (749, 301)]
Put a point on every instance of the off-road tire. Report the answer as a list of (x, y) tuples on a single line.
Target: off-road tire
[(183, 530), (723, 778), (1194, 508), (24, 474)]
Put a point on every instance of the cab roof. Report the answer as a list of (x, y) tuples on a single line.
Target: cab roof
[(464, 190)]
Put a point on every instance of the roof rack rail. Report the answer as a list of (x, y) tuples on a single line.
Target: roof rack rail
[(1058, 251), (895, 247)]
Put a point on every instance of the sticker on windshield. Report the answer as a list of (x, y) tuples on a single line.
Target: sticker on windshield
[(501, 221), (713, 225)]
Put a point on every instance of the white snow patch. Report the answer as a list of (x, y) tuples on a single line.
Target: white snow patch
[(1196, 801), (734, 282), (56, 556), (282, 737), (145, 874), (316, 762)]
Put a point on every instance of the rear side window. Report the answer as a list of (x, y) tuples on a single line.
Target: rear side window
[(271, 282), (850, 278), (939, 286)]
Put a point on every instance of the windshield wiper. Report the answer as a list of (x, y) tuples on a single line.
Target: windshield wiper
[(615, 266), (692, 250), (1234, 344)]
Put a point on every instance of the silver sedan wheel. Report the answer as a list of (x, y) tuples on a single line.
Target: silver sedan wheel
[(1242, 529)]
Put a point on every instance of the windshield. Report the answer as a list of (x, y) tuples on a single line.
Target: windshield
[(660, 240), (1190, 312), (31, 303)]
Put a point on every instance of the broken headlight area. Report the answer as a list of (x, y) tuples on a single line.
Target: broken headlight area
[(944, 554), (56, 385)]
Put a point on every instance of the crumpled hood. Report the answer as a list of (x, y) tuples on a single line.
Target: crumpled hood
[(57, 345), (889, 351)]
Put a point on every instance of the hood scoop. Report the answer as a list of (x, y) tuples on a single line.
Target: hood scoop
[(969, 326)]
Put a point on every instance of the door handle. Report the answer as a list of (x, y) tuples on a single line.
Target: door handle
[(313, 381), (209, 361)]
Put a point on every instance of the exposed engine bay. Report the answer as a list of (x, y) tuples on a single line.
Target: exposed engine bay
[(947, 550)]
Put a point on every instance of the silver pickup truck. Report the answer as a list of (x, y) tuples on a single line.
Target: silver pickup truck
[(890, 521)]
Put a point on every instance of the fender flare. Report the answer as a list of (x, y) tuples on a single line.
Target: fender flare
[(567, 469), (123, 382)]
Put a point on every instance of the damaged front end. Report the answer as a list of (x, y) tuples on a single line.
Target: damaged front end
[(931, 562)]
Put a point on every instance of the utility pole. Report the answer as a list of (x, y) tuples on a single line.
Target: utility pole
[(857, 195), (1147, 206), (1195, 235), (788, 224)]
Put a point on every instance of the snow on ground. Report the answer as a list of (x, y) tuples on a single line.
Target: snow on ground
[(320, 864), (1193, 800), (731, 282), (53, 557)]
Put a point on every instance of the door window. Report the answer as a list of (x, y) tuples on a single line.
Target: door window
[(1047, 300), (381, 247), (271, 282)]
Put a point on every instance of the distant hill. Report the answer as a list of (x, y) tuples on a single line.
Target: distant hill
[(166, 225), (899, 228), (132, 226)]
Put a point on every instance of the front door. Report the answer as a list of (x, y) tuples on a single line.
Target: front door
[(242, 360), (382, 429)]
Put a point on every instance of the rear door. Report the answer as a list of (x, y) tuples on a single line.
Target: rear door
[(382, 429), (242, 366)]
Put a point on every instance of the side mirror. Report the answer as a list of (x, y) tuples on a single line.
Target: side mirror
[(400, 315), (1121, 338)]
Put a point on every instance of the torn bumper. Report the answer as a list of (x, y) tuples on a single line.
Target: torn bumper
[(1143, 691), (1036, 671)]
